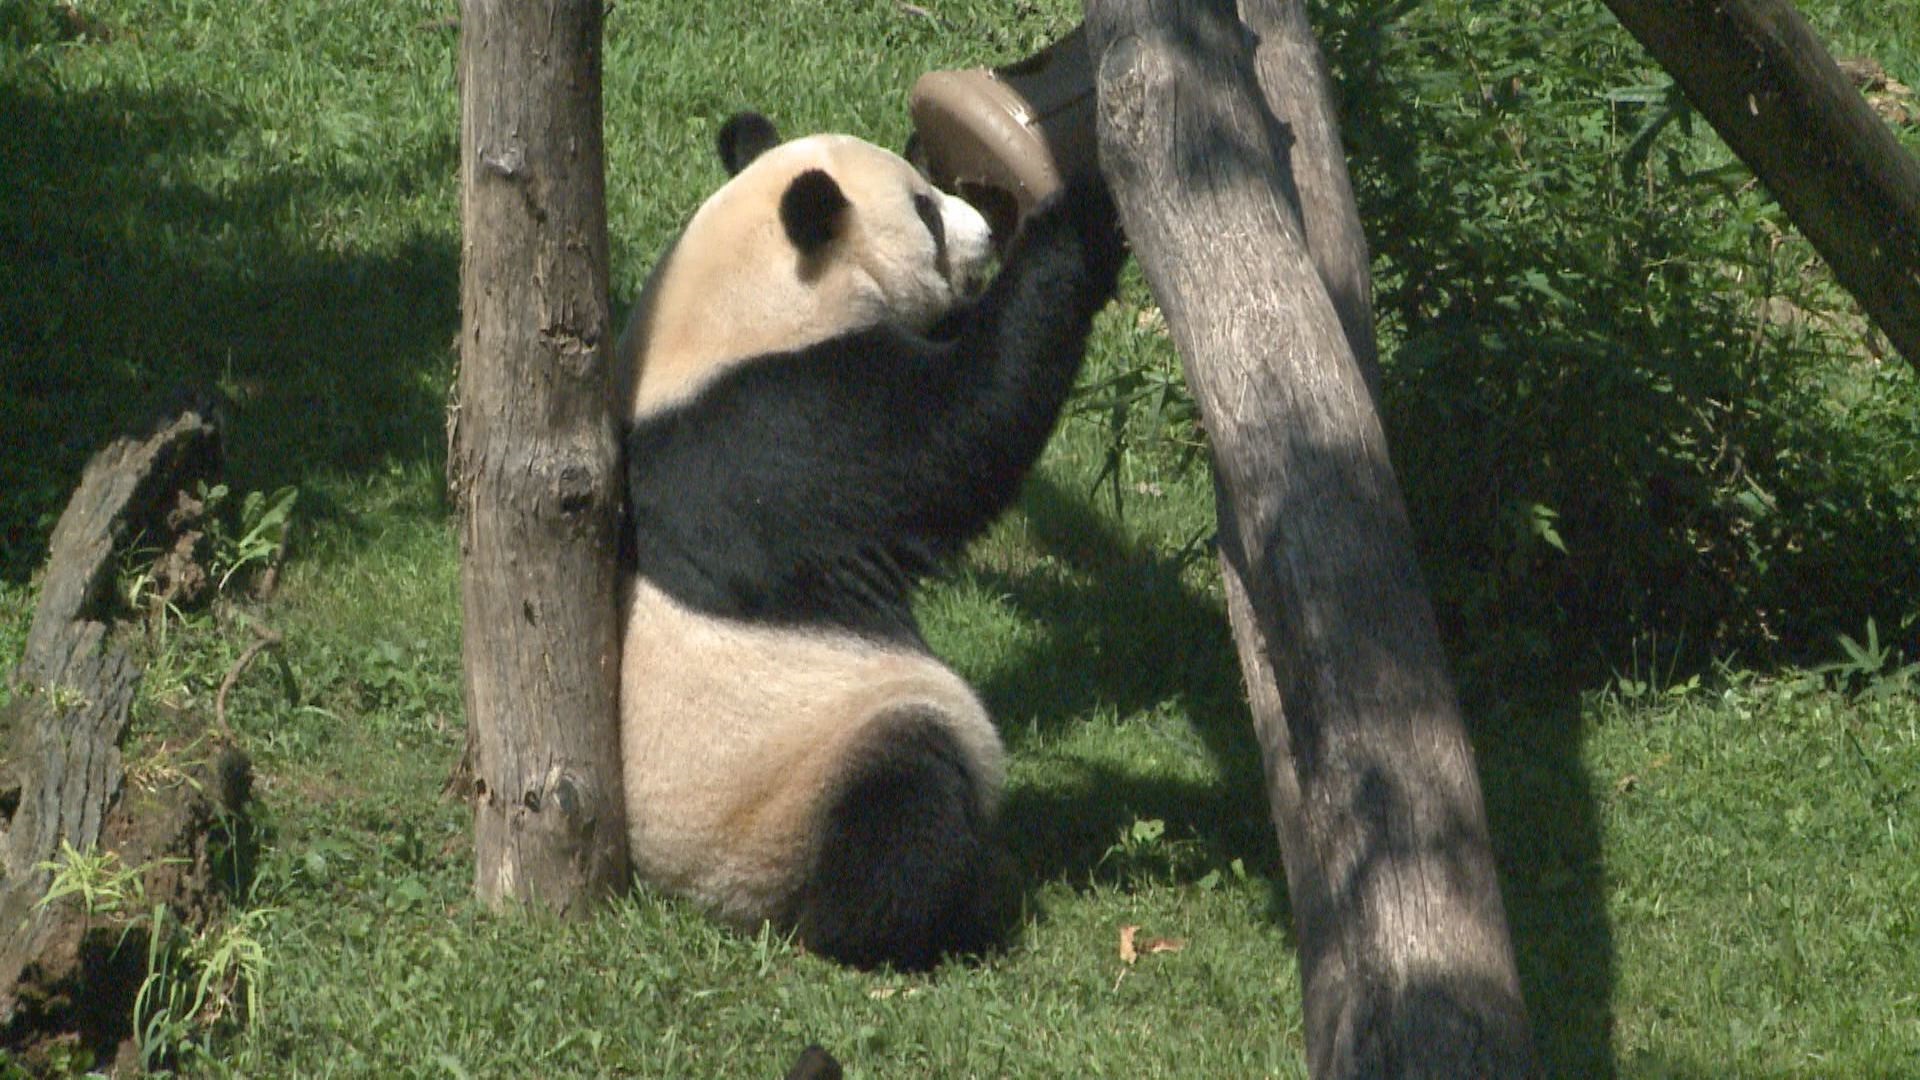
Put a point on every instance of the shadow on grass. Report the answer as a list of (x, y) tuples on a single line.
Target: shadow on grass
[(1130, 635), (1124, 636), (133, 269), (1545, 822)]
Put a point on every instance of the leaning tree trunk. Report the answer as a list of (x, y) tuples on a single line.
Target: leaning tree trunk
[(1756, 71), (536, 459), (1298, 91), (1406, 961)]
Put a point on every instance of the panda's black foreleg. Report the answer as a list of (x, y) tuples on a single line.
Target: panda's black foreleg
[(901, 872), (1021, 345)]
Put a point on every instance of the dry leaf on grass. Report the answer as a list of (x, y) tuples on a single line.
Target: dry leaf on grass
[(1131, 946)]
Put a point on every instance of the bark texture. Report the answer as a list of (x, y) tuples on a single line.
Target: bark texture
[(1298, 93), (535, 462), (76, 686), (1758, 74), (1407, 964)]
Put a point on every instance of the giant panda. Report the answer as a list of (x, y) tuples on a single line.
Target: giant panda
[(821, 410)]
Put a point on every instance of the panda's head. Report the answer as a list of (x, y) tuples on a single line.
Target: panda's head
[(810, 239)]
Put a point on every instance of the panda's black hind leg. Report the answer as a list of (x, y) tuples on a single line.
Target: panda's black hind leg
[(903, 872)]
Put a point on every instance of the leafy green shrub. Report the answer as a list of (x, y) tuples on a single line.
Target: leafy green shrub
[(1628, 406), (1625, 401), (198, 985)]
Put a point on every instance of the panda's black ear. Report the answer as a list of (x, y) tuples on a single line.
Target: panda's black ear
[(811, 210), (745, 136)]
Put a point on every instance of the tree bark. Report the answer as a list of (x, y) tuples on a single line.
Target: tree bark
[(536, 458), (1758, 74), (76, 685), (70, 972), (1298, 92), (1406, 961)]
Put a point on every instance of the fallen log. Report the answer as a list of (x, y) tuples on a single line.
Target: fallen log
[(68, 970)]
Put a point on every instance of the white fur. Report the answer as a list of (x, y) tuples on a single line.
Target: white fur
[(732, 732), (733, 287)]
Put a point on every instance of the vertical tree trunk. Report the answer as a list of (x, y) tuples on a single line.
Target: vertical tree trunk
[(1756, 71), (1407, 964), (536, 457)]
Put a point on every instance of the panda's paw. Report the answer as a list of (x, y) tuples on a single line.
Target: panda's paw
[(1097, 221), (1083, 215), (902, 871)]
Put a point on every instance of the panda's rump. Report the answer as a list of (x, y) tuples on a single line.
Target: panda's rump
[(735, 736)]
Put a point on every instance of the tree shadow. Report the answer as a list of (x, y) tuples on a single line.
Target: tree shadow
[(1128, 634), (132, 272), (1545, 822), (1125, 636), (1125, 631)]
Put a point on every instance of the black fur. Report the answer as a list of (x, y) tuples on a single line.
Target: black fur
[(816, 487), (901, 863), (814, 1063), (811, 210), (745, 136)]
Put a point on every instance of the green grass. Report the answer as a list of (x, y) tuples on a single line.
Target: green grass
[(1709, 851), (1767, 880)]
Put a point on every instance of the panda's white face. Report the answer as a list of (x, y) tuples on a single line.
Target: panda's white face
[(811, 239), (917, 249)]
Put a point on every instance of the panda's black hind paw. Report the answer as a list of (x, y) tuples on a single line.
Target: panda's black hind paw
[(902, 872)]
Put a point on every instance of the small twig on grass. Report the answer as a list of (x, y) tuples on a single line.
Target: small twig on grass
[(917, 10), (266, 638)]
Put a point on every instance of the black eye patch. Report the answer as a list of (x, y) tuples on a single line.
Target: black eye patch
[(929, 212)]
